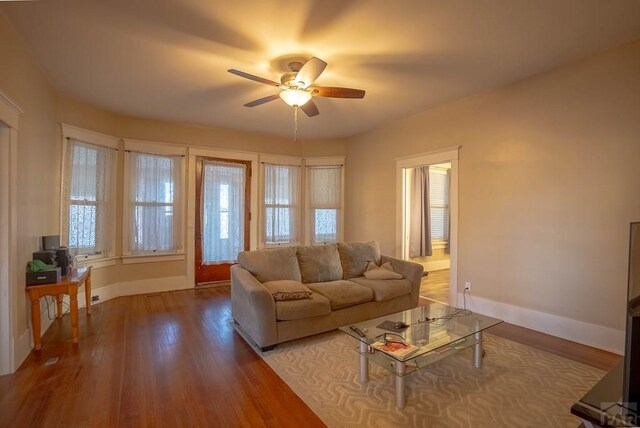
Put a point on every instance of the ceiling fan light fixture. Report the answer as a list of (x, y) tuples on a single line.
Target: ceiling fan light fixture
[(295, 97)]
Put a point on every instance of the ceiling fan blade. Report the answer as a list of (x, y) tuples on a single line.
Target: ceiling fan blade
[(263, 100), (310, 72), (310, 108), (326, 91), (252, 77)]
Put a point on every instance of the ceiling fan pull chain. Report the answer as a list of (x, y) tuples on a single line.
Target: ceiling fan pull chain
[(295, 124)]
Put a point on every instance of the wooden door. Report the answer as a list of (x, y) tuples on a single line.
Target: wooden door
[(222, 216)]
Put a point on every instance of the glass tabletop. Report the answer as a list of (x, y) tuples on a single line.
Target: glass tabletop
[(428, 328)]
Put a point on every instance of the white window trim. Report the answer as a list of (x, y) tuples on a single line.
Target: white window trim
[(287, 161), (88, 136), (152, 258), (323, 161), (96, 262), (98, 139), (154, 148)]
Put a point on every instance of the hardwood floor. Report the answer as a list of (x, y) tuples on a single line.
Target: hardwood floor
[(169, 359), (435, 286), (173, 359)]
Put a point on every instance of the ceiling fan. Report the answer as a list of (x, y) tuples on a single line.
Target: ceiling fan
[(295, 86)]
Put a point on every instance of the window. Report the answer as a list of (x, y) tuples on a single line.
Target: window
[(325, 200), (439, 204), (281, 206), (87, 217), (154, 208)]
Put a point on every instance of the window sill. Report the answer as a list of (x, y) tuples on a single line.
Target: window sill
[(152, 258), (439, 245), (96, 263)]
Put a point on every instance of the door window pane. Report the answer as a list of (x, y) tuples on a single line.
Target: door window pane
[(223, 211)]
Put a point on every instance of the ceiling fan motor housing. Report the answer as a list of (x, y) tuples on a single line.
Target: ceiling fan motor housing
[(288, 79)]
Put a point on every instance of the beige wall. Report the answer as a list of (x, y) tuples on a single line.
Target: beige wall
[(549, 176), (38, 155)]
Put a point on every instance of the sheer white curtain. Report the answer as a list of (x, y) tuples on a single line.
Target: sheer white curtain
[(154, 203), (281, 188), (223, 186), (87, 198), (324, 202)]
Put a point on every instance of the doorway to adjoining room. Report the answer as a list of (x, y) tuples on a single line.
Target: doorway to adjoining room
[(428, 220)]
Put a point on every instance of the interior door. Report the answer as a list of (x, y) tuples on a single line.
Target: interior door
[(222, 216)]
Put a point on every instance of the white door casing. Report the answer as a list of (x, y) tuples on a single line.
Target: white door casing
[(449, 154), (9, 115)]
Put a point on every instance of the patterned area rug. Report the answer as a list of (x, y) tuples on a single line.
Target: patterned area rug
[(518, 386)]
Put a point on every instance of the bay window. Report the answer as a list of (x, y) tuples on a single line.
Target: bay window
[(88, 194), (154, 192)]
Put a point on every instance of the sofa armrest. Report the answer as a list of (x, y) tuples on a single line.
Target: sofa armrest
[(253, 307), (411, 271)]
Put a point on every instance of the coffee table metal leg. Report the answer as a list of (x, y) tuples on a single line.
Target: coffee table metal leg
[(400, 369), (364, 363), (477, 350)]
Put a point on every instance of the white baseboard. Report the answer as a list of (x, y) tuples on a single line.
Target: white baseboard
[(597, 336), (437, 265), (154, 285), (131, 288), (21, 348)]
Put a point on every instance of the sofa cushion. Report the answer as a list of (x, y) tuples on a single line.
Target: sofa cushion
[(319, 263), (355, 256), (342, 294), (381, 272), (315, 306), (272, 264), (385, 289), (285, 289)]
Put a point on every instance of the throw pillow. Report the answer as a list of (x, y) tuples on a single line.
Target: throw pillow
[(287, 290), (381, 272), (354, 257), (271, 264), (319, 263)]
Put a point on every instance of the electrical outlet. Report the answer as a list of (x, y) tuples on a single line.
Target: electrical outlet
[(467, 286), (95, 298)]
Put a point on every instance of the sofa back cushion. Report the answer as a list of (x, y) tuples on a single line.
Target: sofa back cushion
[(272, 264), (354, 257), (319, 263)]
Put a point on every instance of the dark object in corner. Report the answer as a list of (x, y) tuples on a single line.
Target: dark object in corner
[(267, 348), (43, 277)]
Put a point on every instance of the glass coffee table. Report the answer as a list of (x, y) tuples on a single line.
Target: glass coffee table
[(428, 333)]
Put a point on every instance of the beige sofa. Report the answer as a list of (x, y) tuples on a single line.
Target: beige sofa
[(332, 275)]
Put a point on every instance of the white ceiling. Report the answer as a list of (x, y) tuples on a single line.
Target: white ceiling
[(167, 59)]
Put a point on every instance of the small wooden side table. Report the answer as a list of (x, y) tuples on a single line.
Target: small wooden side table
[(68, 284)]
